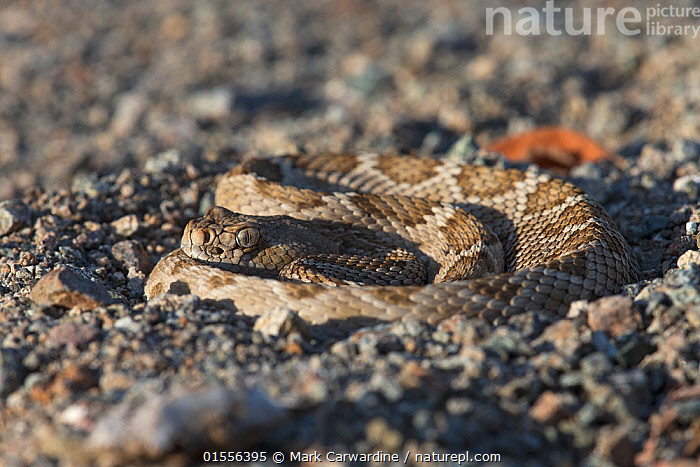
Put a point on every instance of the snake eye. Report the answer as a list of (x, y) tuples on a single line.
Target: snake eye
[(248, 237)]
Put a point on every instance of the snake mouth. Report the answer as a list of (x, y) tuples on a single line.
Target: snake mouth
[(248, 267)]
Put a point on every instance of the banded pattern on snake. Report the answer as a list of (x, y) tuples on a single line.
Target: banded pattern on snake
[(541, 243)]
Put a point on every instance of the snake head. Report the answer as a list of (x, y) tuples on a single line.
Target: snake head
[(254, 245), (221, 236)]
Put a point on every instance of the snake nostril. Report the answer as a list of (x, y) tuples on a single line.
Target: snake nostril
[(216, 250)]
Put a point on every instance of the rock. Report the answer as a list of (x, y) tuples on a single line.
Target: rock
[(596, 365), (12, 372), (151, 426), (603, 344), (549, 408), (577, 309), (77, 416), (62, 287), (412, 374), (688, 259), (127, 112), (210, 104), (369, 80), (128, 324), (90, 239), (372, 342), (673, 413), (653, 223), (90, 185), (679, 278), (280, 322), (381, 434), (116, 381), (14, 215), (464, 150), (166, 162), (614, 445), (614, 315), (78, 335), (507, 344), (564, 335), (633, 350), (133, 256), (688, 184), (692, 314), (72, 379), (126, 226)]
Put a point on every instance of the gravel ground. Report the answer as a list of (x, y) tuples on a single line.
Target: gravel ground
[(117, 117)]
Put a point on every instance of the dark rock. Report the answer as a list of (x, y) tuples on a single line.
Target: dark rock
[(632, 350), (603, 344), (654, 223), (90, 239), (371, 343), (12, 371), (596, 365), (589, 414), (614, 445), (14, 215), (133, 256)]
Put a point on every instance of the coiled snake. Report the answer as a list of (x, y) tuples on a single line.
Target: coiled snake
[(446, 239)]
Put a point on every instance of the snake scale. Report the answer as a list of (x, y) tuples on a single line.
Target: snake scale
[(538, 242)]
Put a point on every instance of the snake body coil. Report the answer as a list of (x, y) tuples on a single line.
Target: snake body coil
[(540, 242)]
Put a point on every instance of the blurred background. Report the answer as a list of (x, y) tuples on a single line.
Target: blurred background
[(92, 85)]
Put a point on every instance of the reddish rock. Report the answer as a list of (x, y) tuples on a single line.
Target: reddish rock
[(664, 423), (71, 379), (550, 407), (78, 335), (564, 335), (413, 374), (62, 287), (614, 315)]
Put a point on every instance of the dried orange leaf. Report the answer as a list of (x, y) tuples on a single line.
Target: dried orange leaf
[(552, 147)]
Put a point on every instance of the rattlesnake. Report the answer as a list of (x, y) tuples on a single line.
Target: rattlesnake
[(558, 245)]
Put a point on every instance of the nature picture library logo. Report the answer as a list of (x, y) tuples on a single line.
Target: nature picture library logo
[(659, 20)]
